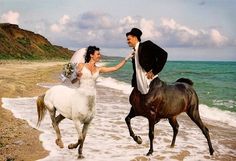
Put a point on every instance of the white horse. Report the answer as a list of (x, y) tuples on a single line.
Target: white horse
[(77, 104)]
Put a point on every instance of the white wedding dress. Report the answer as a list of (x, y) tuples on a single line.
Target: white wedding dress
[(86, 89), (88, 79)]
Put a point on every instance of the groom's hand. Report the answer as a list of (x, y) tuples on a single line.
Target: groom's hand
[(150, 74)]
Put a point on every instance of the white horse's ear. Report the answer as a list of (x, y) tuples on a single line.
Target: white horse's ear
[(78, 56)]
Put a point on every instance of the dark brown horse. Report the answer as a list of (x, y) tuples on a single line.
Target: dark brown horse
[(166, 101)]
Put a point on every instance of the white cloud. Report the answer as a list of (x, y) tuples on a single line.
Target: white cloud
[(168, 23), (173, 25), (64, 20), (90, 28), (55, 28), (180, 32), (10, 17), (106, 31), (95, 20), (217, 37), (148, 29), (128, 20), (106, 22), (60, 26), (176, 34)]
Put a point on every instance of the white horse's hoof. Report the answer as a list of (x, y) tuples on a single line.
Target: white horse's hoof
[(59, 143)]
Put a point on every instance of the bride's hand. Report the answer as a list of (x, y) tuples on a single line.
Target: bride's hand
[(79, 74)]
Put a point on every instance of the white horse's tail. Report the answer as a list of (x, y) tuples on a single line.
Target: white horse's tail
[(41, 108)]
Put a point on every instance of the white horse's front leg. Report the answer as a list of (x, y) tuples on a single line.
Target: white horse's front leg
[(80, 136), (85, 129)]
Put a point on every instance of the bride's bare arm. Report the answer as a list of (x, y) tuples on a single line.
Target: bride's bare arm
[(116, 67), (112, 69)]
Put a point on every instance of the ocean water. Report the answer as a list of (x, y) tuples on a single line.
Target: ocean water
[(108, 137), (214, 82)]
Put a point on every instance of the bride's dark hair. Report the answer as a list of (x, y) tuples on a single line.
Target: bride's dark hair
[(90, 50)]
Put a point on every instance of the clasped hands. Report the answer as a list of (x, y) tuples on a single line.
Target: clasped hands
[(149, 74), (130, 55)]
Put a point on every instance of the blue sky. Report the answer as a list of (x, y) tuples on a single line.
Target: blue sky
[(186, 29)]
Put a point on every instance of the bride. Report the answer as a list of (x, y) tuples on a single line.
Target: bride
[(77, 104)]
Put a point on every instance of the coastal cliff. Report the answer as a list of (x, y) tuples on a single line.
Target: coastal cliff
[(17, 43)]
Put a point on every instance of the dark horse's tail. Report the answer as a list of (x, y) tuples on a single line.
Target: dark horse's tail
[(193, 112), (185, 80)]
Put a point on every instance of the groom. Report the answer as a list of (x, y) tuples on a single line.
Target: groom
[(148, 60)]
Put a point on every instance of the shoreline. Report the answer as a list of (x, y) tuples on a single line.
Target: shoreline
[(18, 140)]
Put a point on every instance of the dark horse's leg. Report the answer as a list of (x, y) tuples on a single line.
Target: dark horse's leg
[(127, 120), (173, 122), (151, 135), (193, 113)]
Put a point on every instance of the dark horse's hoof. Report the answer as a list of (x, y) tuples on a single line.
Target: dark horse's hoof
[(211, 151), (80, 156), (149, 153), (138, 139)]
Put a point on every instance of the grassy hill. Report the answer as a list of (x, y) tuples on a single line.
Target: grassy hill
[(17, 43)]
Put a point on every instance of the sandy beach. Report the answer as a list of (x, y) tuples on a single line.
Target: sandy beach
[(18, 79), (19, 141)]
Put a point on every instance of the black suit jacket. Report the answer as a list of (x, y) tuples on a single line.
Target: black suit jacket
[(151, 57)]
